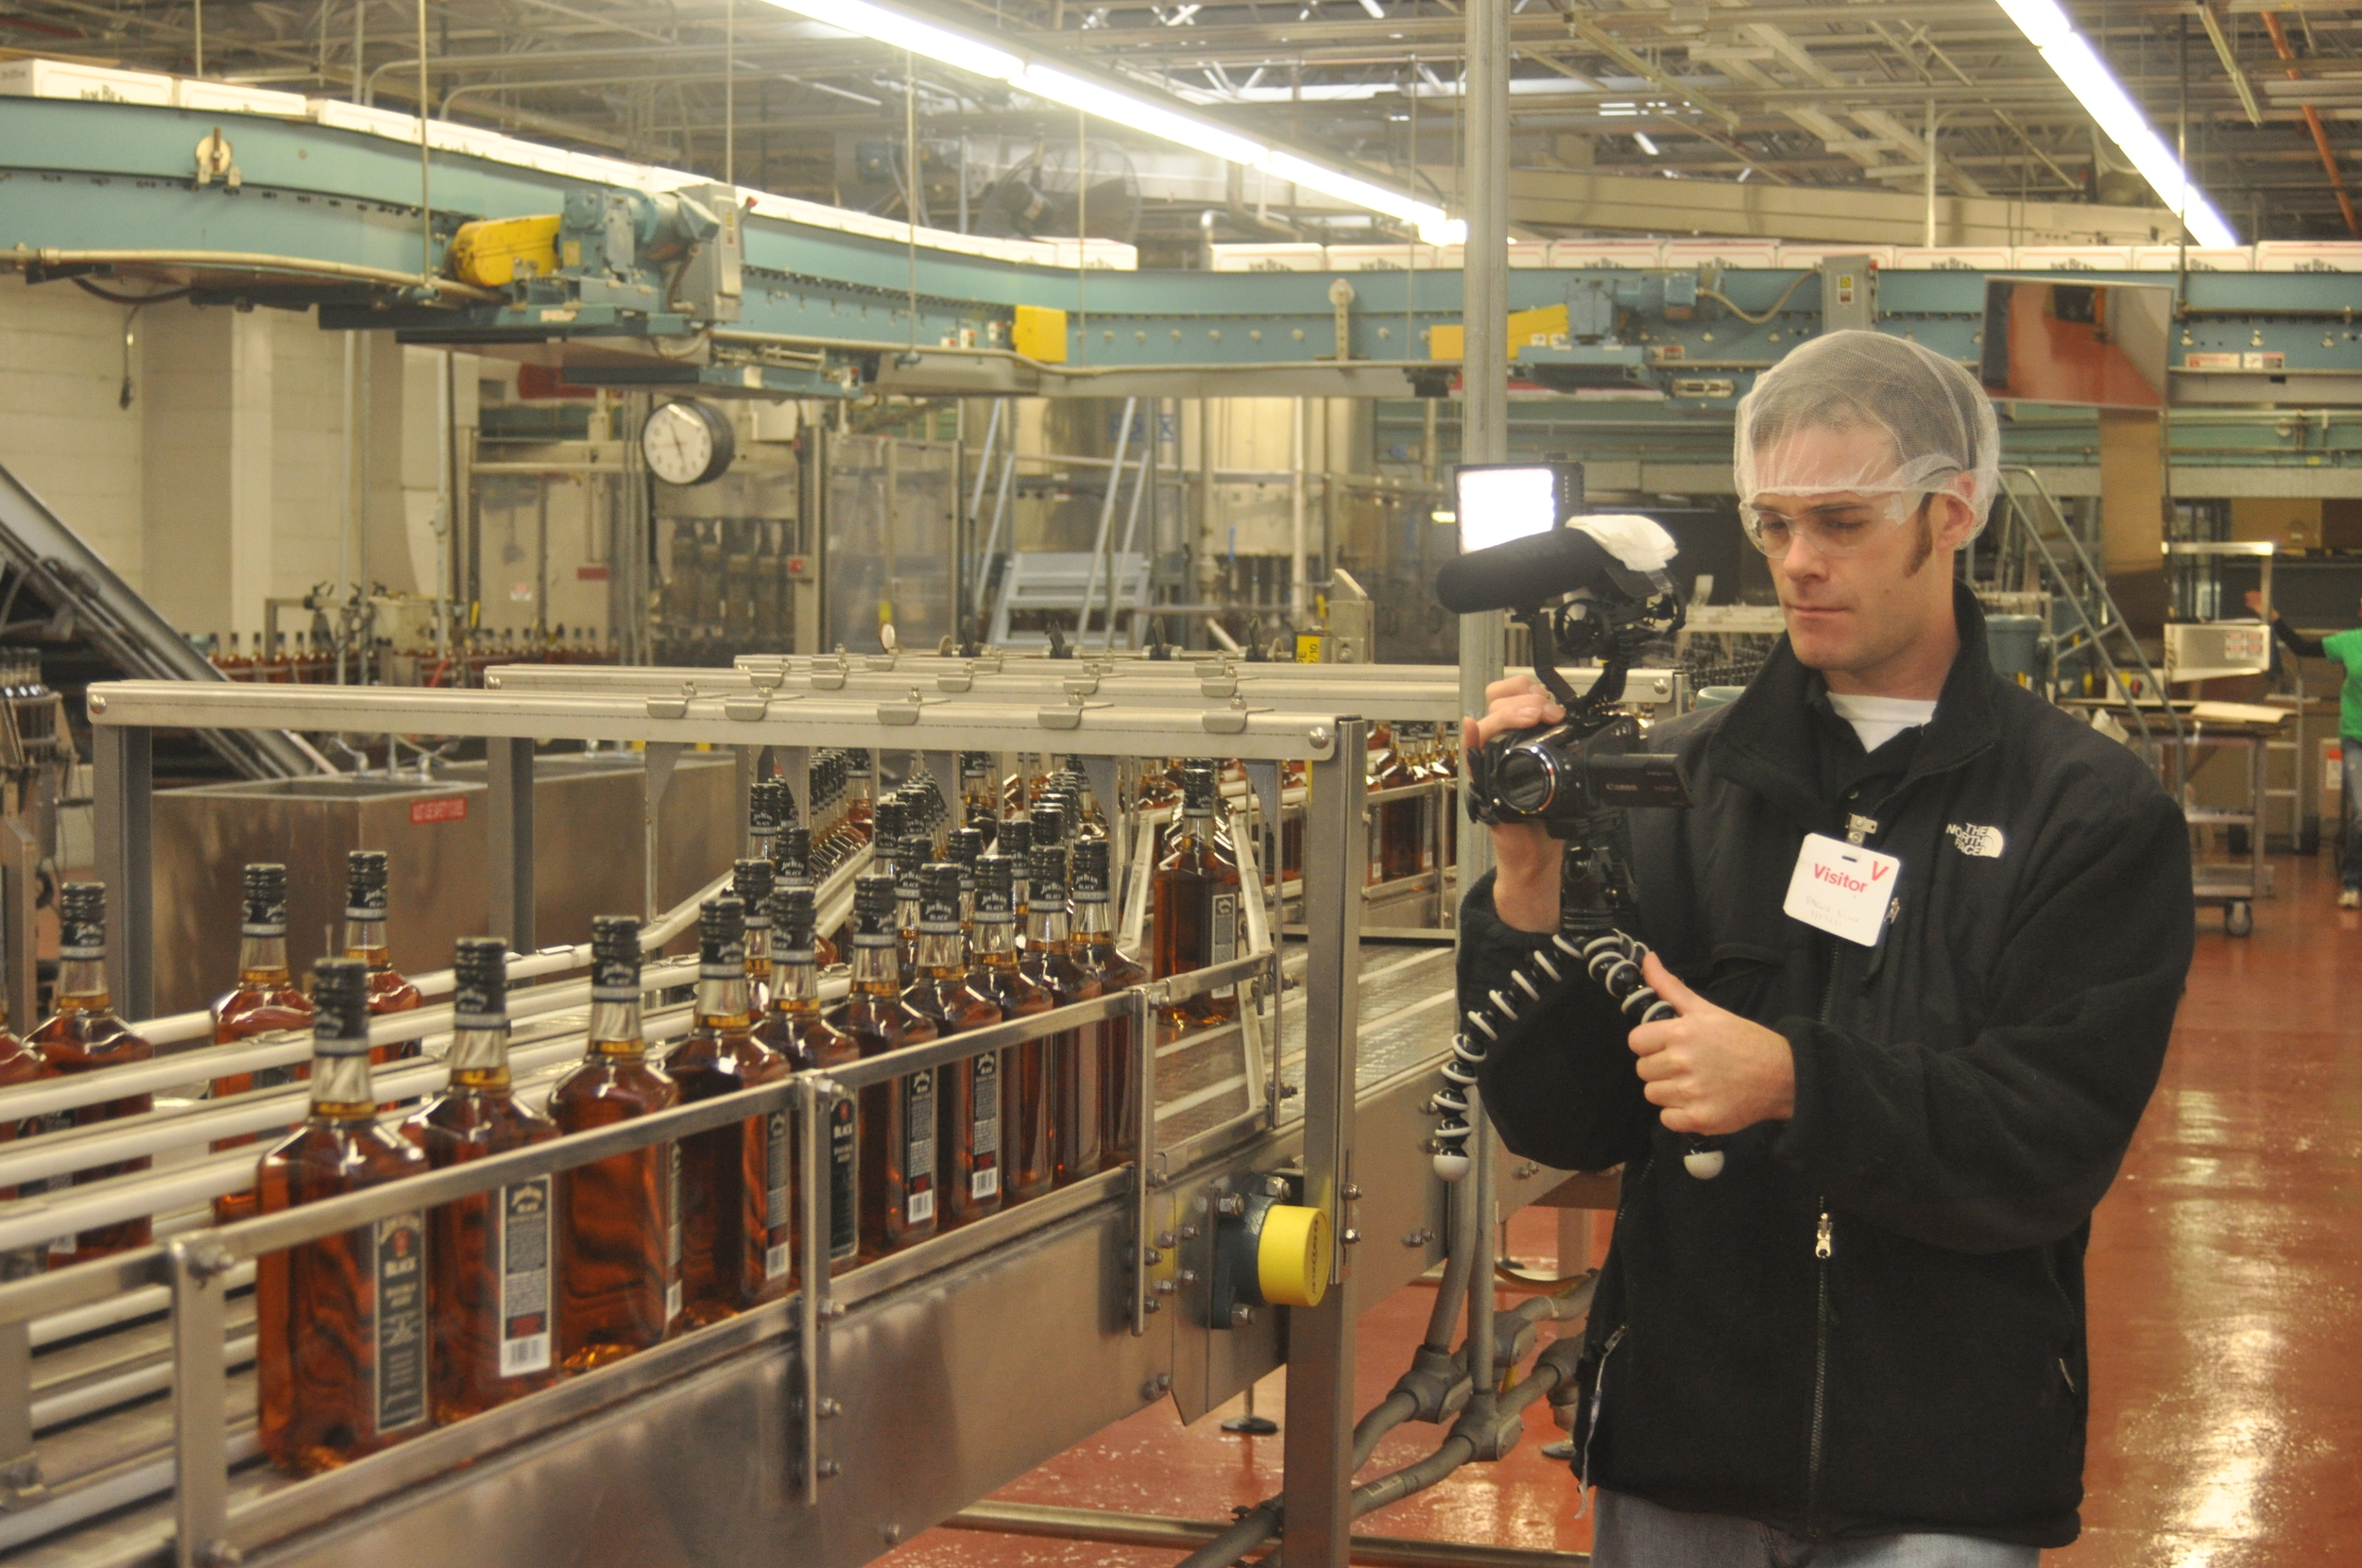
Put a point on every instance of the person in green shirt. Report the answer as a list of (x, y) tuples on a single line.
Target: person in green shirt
[(2346, 648)]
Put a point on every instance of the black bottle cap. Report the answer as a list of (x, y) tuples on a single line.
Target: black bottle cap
[(915, 850), (887, 823), (1049, 869), (1049, 820), (765, 801), (1197, 789), (975, 764), (82, 920), (995, 884), (722, 936), (793, 911), (614, 958), (479, 993), (341, 1002), (1016, 838), (963, 847), (365, 885), (873, 911), (791, 852), (1091, 871), (751, 882), (939, 899), (858, 763), (265, 910)]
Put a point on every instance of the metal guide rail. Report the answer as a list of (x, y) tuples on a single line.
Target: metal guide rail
[(821, 1429)]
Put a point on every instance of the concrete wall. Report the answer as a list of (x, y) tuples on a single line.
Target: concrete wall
[(60, 430)]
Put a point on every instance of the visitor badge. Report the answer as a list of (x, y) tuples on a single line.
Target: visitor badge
[(1842, 888)]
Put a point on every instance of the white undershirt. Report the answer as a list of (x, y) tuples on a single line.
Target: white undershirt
[(1878, 720)]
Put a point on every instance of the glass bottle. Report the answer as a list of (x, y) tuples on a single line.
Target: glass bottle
[(85, 1035), (619, 1238), (725, 1184), (910, 855), (980, 795), (767, 805), (751, 882), (794, 1028), (341, 1337), (1393, 838), (265, 999), (490, 1258), (364, 939), (897, 1118), (1194, 902), (1071, 1057), (1016, 842), (940, 993), (975, 1121), (963, 847), (793, 861), (860, 792), (1095, 952)]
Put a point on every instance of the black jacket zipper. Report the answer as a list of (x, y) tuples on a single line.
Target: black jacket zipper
[(1820, 1248)]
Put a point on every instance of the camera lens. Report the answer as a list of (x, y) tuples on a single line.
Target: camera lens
[(1526, 781)]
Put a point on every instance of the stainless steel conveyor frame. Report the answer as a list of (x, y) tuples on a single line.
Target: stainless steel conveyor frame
[(825, 1428)]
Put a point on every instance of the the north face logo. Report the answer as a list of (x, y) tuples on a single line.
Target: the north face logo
[(1971, 838)]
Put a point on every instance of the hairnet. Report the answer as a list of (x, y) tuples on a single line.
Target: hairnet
[(1928, 425)]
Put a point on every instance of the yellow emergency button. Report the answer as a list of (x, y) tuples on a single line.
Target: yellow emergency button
[(1292, 1256)]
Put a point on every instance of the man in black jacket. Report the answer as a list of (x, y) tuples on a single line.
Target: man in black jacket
[(1863, 1342)]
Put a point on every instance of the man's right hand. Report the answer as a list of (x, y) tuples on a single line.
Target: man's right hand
[(1529, 862), (2255, 603)]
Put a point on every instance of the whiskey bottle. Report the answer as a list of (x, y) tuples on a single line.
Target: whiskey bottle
[(980, 795), (897, 1118), (821, 821), (768, 806), (341, 1335), (794, 1028), (975, 1117), (1096, 954), (751, 882), (940, 993), (964, 848), (860, 792), (364, 939), (1394, 836), (619, 1239), (1073, 1056), (490, 1258), (793, 861), (1016, 842), (726, 1185), (1194, 902), (265, 999), (84, 1035), (910, 855)]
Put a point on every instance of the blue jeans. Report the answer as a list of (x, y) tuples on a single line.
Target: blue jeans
[(1629, 1533), (2350, 849)]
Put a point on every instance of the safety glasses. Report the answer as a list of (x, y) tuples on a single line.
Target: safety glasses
[(1833, 528)]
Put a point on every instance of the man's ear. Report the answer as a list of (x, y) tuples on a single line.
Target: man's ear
[(1954, 519)]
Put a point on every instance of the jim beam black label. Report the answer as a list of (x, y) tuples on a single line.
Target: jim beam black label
[(776, 1252), (844, 1169), (918, 1148), (400, 1359), (523, 1245), (1222, 939), (671, 1231), (983, 1132)]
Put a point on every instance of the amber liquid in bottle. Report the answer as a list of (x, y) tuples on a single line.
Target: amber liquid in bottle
[(1195, 904), (618, 1232), (84, 1035), (266, 999), (725, 1182), (805, 1040), (896, 1118), (1394, 846), (364, 939), (21, 1064), (341, 1334), (1072, 1056), (1096, 954), (968, 1093), (492, 1259)]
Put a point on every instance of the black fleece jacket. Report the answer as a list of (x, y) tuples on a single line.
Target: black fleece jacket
[(1872, 1321)]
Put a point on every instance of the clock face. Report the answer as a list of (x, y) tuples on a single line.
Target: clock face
[(686, 443)]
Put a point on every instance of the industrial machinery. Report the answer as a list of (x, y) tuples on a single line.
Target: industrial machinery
[(826, 1426)]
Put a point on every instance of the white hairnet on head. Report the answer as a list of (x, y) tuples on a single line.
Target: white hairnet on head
[(1861, 411)]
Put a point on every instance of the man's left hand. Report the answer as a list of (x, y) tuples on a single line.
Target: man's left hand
[(1712, 1071)]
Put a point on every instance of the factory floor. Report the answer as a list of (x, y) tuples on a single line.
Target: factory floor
[(2225, 1283)]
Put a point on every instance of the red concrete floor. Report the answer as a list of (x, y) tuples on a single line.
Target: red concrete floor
[(2225, 1302)]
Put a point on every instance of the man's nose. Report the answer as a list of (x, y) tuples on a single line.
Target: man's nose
[(1804, 558)]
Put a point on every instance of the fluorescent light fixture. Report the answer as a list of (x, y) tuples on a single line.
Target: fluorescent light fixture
[(964, 52), (2047, 26), (904, 31), (1646, 146)]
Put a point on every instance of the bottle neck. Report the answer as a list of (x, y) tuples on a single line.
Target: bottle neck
[(876, 967), (1093, 927), (262, 960), (941, 955), (996, 941), (1046, 929), (722, 1000), (758, 953), (795, 985), (366, 941), (615, 1029), (340, 1087), (82, 985), (479, 1059)]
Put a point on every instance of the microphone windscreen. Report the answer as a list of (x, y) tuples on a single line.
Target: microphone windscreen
[(1522, 573)]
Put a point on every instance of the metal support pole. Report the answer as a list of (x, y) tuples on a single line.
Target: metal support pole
[(1484, 427), (122, 782), (1320, 1340), (812, 1104), (1484, 1178), (508, 829), (1147, 1169), (1299, 591), (20, 891), (200, 1437), (1106, 524)]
